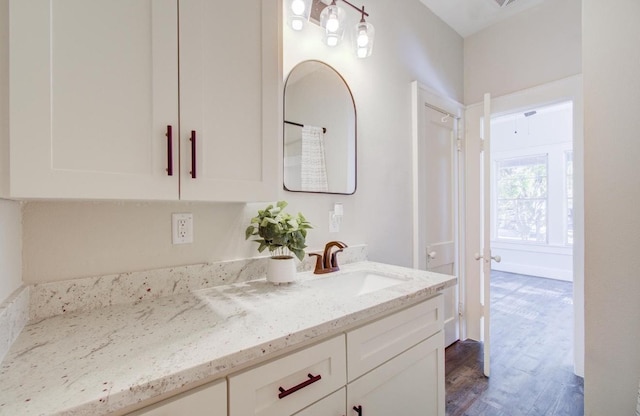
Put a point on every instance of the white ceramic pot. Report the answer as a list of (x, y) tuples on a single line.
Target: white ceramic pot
[(281, 269)]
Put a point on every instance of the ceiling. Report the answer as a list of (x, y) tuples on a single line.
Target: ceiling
[(470, 16)]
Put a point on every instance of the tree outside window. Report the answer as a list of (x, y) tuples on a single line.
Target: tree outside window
[(522, 199)]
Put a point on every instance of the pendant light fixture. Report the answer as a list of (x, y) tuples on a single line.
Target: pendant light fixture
[(332, 21), (365, 33), (299, 11)]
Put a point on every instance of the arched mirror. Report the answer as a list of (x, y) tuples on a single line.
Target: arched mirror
[(319, 131)]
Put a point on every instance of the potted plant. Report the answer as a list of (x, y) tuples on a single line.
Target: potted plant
[(284, 235)]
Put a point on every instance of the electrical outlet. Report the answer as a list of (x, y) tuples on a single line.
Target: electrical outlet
[(182, 228)]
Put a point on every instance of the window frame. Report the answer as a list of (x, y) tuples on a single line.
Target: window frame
[(496, 200)]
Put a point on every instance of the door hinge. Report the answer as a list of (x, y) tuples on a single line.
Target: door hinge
[(459, 145), (482, 145), (460, 309)]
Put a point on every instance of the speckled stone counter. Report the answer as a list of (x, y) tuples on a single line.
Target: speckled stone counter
[(108, 360)]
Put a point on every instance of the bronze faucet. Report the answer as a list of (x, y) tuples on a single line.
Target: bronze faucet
[(328, 262)]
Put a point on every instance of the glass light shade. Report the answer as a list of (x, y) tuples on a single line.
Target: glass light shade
[(296, 23), (332, 20), (363, 39), (298, 13), (298, 7)]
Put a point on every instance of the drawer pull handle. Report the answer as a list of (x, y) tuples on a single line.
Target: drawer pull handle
[(169, 151), (358, 409), (312, 379)]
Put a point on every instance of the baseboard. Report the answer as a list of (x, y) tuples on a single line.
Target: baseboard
[(558, 274)]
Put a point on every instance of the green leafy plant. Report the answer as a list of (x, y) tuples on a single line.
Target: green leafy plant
[(278, 231)]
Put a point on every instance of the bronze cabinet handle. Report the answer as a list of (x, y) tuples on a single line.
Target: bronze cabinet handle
[(312, 379), (169, 150), (193, 154)]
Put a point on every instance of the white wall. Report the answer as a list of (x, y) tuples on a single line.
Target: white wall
[(10, 215), (611, 68), (4, 97), (10, 248), (65, 240), (411, 44), (535, 47)]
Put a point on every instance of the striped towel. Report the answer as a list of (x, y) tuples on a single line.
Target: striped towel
[(638, 407)]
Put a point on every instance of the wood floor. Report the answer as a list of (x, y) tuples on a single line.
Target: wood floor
[(531, 354)]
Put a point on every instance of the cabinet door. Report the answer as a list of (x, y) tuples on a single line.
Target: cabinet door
[(94, 86), (230, 99), (411, 384), (332, 405), (209, 400)]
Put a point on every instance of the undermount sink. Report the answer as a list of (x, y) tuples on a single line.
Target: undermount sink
[(356, 283)]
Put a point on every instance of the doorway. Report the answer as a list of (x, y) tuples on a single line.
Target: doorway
[(531, 231), (477, 313)]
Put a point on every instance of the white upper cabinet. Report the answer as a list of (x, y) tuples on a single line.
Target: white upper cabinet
[(229, 89), (94, 89)]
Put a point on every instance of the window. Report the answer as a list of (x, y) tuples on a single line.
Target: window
[(521, 208), (568, 171)]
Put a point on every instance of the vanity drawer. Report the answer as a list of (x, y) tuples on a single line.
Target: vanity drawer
[(208, 400), (291, 383), (375, 343)]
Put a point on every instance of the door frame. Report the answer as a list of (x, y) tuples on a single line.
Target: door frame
[(422, 96), (566, 89)]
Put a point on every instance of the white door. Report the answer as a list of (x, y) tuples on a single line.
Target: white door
[(94, 91), (436, 185), (485, 254), (485, 257), (229, 100), (439, 253)]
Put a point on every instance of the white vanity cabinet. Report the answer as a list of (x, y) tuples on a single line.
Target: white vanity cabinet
[(396, 364), (208, 400), (97, 87), (392, 366)]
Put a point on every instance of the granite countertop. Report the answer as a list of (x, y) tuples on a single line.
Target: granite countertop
[(109, 359)]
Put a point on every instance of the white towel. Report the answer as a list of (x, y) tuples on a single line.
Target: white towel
[(313, 170)]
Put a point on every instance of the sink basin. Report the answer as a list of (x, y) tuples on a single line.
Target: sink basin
[(356, 283)]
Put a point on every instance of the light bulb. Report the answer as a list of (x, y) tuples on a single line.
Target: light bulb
[(332, 40), (297, 24), (332, 23), (297, 6), (363, 39)]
